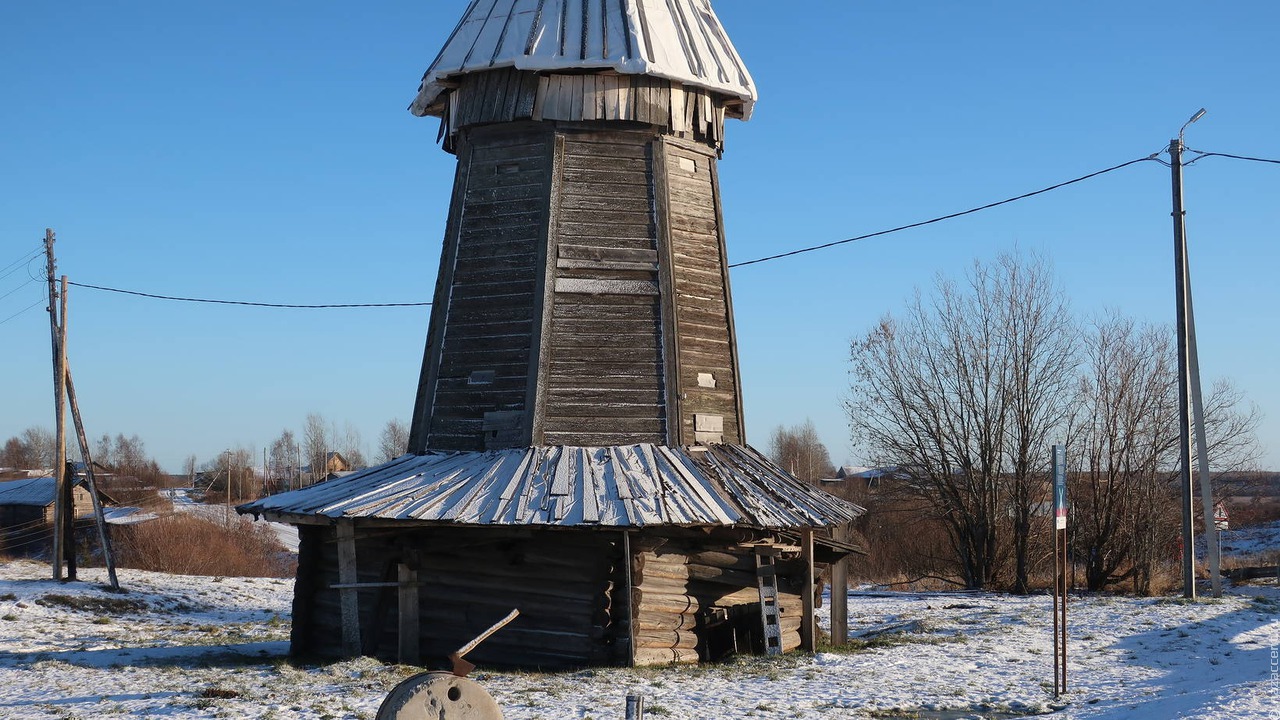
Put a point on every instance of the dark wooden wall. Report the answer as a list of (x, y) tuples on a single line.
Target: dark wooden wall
[(564, 584), (474, 390), (705, 349)]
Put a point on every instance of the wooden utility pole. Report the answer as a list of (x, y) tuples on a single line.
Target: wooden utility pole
[(59, 374), (67, 485), (83, 439)]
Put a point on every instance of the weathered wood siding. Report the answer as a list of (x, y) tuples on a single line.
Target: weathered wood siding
[(508, 95), (563, 583), (603, 359), (706, 363), (475, 394)]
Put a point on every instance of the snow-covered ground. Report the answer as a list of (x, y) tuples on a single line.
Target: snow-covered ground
[(184, 647)]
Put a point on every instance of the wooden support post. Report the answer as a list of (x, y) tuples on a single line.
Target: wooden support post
[(840, 595), (103, 537), (410, 646), (69, 520), (349, 596), (631, 605), (808, 628)]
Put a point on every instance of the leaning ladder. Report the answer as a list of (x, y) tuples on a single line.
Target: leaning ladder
[(767, 582)]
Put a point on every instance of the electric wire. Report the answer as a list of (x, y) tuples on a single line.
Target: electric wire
[(244, 302), (12, 268), (1149, 158), (26, 257), (1201, 155), (16, 289), (32, 305), (962, 213)]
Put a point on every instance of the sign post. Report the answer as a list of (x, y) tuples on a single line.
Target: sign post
[(1060, 560)]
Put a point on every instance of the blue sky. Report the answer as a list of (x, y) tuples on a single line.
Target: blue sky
[(262, 151)]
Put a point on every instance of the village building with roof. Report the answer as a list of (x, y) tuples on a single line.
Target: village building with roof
[(577, 448)]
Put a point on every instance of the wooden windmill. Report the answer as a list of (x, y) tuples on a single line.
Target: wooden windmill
[(577, 448), (583, 296)]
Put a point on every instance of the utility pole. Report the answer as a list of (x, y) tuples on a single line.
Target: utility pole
[(1184, 404), (67, 491), (1190, 400), (59, 374)]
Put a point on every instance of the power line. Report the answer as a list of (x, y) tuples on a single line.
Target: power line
[(12, 268), (25, 258), (970, 211), (1203, 155), (32, 305), (16, 289), (243, 302)]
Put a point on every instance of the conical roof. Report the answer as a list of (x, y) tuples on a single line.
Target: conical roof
[(679, 40)]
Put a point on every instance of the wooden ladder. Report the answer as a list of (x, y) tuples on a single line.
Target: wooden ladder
[(767, 582)]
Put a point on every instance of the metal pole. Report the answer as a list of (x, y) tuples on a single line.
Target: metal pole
[(1057, 589), (635, 707), (1184, 416), (1212, 549)]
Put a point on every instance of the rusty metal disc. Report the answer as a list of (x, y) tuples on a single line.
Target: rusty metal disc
[(439, 696)]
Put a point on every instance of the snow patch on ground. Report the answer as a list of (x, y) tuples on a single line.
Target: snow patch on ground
[(189, 647)]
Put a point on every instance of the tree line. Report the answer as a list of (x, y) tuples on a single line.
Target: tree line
[(963, 393), (289, 461)]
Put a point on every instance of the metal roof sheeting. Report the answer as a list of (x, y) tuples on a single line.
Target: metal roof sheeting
[(37, 492), (625, 486), (679, 40)]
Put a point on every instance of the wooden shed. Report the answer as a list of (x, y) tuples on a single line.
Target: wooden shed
[(577, 446)]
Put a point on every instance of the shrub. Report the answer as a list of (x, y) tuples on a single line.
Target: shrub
[(190, 545)]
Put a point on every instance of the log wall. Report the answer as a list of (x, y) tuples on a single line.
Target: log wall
[(677, 593)]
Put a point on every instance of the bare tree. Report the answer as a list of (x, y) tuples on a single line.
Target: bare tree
[(962, 395), (316, 445), (393, 442), (284, 457), (351, 444), (40, 442), (32, 449), (799, 451), (1123, 451)]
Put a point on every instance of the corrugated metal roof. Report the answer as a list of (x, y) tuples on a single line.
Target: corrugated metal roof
[(626, 486), (680, 40), (37, 492)]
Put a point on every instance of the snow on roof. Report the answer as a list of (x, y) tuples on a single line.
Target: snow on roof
[(37, 492), (679, 40), (627, 486)]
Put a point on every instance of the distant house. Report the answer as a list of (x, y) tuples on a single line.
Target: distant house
[(335, 466), (26, 508)]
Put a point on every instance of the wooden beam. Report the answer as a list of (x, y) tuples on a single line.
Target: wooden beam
[(349, 596), (840, 595), (808, 628), (410, 645), (632, 615)]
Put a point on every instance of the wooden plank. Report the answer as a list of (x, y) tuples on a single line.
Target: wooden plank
[(808, 623), (408, 648), (350, 599), (606, 287)]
